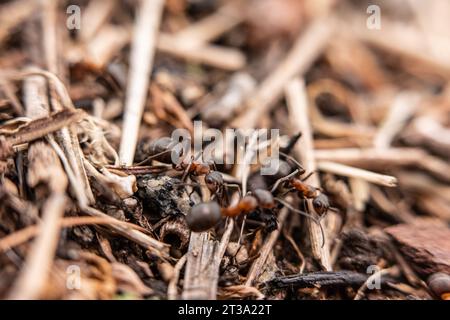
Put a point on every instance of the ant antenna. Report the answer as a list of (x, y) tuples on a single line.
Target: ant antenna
[(332, 209), (308, 176), (152, 157), (292, 142), (317, 221), (290, 158), (277, 183)]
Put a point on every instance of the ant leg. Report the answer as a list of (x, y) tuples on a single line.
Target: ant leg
[(279, 181), (235, 255), (244, 220), (234, 185), (305, 205), (332, 209), (191, 184), (286, 192), (186, 171), (306, 214), (214, 166)]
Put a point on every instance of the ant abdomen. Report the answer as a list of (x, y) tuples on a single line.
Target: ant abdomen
[(284, 168), (203, 216)]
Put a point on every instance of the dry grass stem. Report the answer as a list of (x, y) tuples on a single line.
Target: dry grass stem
[(141, 62), (348, 171), (299, 115)]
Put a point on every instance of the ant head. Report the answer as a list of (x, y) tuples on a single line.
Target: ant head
[(203, 216), (265, 198), (321, 204), (214, 180)]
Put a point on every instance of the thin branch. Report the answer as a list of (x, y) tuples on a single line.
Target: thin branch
[(399, 39), (23, 235), (403, 107), (44, 168)]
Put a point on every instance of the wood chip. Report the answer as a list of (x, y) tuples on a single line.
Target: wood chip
[(425, 245)]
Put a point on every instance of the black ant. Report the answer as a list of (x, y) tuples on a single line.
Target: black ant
[(305, 191), (204, 216), (164, 150)]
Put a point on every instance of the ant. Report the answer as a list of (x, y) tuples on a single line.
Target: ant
[(305, 191), (320, 201), (165, 149), (204, 216)]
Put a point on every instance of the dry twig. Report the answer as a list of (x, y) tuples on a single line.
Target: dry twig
[(298, 110)]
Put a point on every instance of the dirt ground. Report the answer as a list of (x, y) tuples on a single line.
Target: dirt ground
[(109, 111)]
